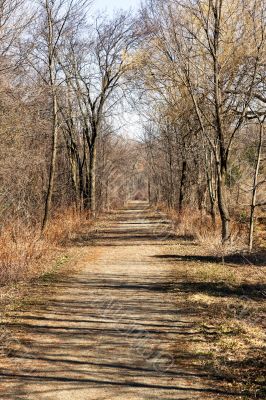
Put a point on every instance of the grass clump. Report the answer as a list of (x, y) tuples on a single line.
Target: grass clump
[(231, 302), (25, 253)]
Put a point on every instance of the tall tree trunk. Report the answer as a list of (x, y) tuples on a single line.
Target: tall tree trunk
[(211, 184), (212, 212), (74, 176), (149, 190), (182, 186), (48, 201), (254, 189), (92, 179), (80, 185), (107, 194), (221, 159), (86, 187), (170, 194), (223, 210), (52, 85)]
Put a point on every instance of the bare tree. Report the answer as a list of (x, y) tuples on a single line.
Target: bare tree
[(203, 51), (56, 22), (97, 82), (256, 183)]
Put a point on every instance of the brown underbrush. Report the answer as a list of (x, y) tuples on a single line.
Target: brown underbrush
[(25, 252)]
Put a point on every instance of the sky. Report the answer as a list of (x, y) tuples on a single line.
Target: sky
[(127, 123), (111, 5)]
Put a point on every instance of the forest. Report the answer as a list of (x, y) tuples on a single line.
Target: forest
[(193, 71)]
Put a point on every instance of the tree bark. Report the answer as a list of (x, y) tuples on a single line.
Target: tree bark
[(223, 210), (92, 179), (211, 184), (254, 189), (221, 159), (74, 176), (52, 84), (182, 186), (149, 190), (49, 194)]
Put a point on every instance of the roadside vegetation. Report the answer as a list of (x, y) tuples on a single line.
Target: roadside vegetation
[(226, 287), (194, 72), (230, 298), (25, 254)]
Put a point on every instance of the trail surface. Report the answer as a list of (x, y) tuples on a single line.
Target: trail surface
[(117, 329)]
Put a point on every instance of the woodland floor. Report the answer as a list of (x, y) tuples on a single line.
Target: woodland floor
[(128, 323)]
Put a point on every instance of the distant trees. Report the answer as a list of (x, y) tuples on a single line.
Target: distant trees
[(197, 72), (54, 24), (66, 74), (13, 19), (94, 71), (204, 66)]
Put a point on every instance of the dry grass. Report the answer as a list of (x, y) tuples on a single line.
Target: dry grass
[(231, 301), (194, 225), (226, 287), (24, 252), (21, 249), (64, 225)]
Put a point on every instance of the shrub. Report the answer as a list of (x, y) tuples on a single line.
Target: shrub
[(24, 251)]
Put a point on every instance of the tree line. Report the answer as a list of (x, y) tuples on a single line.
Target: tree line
[(193, 70), (62, 76), (204, 73)]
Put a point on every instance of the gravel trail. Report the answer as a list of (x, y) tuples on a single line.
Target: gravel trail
[(117, 329)]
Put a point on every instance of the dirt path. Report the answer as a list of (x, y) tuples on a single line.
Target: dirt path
[(116, 330)]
